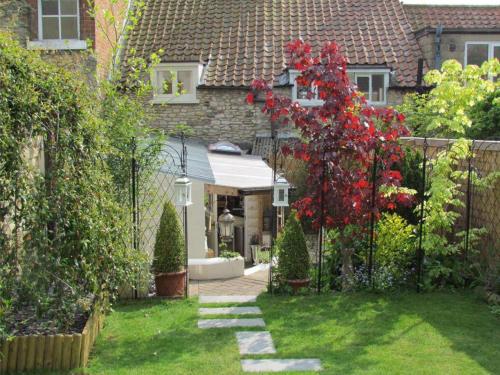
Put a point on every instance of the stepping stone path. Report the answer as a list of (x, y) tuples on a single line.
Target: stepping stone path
[(251, 342), (255, 342), (230, 323), (279, 365), (229, 311), (227, 299)]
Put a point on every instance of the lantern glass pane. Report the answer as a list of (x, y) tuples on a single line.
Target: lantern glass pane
[(281, 195)]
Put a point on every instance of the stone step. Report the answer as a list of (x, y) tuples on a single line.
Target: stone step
[(227, 299), (280, 365), (229, 310), (230, 323), (255, 342)]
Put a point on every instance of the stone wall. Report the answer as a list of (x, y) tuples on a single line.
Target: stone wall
[(14, 18), (223, 114), (452, 45)]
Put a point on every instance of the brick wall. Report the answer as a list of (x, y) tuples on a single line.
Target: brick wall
[(106, 36)]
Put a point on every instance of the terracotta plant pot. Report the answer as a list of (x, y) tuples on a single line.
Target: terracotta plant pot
[(170, 284), (297, 284)]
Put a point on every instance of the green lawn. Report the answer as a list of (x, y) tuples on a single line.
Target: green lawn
[(438, 333)]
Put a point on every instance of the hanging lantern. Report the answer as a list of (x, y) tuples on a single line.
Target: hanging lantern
[(280, 189), (182, 188), (226, 225)]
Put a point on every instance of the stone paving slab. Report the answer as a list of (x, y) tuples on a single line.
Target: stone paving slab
[(229, 310), (230, 323), (255, 343), (279, 365), (228, 299)]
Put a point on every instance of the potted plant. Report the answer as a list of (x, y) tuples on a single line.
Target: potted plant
[(168, 262), (255, 247), (293, 263)]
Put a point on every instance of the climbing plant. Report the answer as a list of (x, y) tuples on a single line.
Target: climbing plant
[(445, 111), (64, 224)]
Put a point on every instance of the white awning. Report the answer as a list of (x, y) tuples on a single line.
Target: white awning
[(245, 172)]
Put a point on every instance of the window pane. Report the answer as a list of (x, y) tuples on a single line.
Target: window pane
[(69, 27), (496, 52), (49, 7), (184, 82), (303, 92), (50, 27), (477, 54), (164, 82), (363, 84), (378, 88), (69, 7)]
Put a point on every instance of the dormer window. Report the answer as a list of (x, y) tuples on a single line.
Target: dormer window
[(58, 25), (175, 83), (373, 83), (305, 96)]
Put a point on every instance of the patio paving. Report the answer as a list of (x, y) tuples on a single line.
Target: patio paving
[(253, 284)]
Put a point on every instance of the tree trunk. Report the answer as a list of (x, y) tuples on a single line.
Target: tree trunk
[(347, 269)]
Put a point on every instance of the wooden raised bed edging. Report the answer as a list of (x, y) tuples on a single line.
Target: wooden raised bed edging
[(52, 352)]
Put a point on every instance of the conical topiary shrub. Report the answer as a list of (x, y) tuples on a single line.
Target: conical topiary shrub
[(292, 251), (168, 262)]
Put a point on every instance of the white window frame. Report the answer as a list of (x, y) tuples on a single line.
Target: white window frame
[(174, 98), (369, 73), (491, 48), (315, 102), (57, 44)]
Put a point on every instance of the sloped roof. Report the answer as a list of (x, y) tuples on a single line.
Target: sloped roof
[(453, 17), (240, 171), (198, 166), (242, 40)]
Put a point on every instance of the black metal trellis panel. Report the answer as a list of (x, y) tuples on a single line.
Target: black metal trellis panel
[(153, 184)]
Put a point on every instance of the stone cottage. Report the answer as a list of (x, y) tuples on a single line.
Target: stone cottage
[(213, 50)]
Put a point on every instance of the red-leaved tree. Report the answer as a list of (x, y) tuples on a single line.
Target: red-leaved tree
[(339, 141)]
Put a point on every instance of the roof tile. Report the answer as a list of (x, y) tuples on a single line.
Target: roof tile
[(227, 33), (453, 17)]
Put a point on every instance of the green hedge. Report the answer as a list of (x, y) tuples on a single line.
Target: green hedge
[(73, 230)]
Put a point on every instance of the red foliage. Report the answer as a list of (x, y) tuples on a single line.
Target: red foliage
[(339, 138)]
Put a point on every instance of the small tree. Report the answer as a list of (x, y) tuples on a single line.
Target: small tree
[(169, 245), (292, 251)]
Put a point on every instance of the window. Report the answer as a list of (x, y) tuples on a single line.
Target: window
[(59, 19), (477, 53), (306, 96), (58, 25), (175, 83), (373, 83)]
